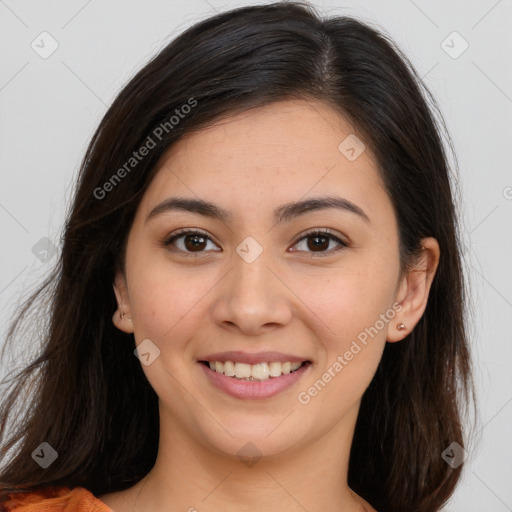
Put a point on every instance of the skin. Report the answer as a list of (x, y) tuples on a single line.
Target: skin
[(290, 299)]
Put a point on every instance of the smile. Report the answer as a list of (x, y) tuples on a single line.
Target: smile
[(258, 381), (253, 372)]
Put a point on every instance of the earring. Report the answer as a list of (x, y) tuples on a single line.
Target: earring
[(131, 320), (401, 326)]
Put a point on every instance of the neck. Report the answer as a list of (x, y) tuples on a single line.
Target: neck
[(188, 476)]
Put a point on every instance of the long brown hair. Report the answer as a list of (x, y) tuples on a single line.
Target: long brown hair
[(85, 393)]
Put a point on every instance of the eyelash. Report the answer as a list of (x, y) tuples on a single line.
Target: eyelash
[(326, 232)]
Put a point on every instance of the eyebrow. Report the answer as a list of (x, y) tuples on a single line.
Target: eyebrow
[(283, 213)]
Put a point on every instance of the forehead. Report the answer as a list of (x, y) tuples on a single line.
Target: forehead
[(283, 151)]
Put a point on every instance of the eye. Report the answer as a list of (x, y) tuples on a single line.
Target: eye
[(193, 241), (190, 241), (320, 241)]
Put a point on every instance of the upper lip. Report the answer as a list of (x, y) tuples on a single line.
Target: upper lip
[(252, 358)]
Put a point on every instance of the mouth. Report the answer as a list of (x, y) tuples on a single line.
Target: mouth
[(251, 382), (254, 372)]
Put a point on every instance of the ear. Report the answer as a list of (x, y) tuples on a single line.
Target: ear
[(122, 318), (413, 290)]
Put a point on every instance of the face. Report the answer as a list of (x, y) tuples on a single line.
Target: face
[(314, 284)]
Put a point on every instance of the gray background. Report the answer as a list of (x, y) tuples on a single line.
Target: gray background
[(51, 106)]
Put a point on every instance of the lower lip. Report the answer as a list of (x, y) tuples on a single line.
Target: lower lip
[(253, 390)]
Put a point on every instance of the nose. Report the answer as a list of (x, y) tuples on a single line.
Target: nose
[(253, 297)]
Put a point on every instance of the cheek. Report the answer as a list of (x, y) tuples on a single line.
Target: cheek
[(352, 337), (349, 300), (350, 310), (164, 299)]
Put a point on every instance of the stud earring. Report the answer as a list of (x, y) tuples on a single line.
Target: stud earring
[(401, 326), (131, 320)]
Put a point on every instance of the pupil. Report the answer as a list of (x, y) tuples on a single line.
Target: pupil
[(194, 245), (316, 245)]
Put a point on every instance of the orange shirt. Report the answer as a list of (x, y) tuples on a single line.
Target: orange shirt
[(54, 499)]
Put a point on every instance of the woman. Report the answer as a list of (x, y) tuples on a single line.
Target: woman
[(259, 303)]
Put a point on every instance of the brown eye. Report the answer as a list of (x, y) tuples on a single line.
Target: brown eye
[(188, 241), (194, 242), (319, 242)]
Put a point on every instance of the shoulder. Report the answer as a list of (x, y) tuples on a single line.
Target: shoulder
[(52, 499)]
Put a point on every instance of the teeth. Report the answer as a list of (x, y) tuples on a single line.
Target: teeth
[(259, 372), (242, 370), (229, 369)]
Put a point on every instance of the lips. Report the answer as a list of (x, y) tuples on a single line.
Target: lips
[(253, 358), (253, 390)]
